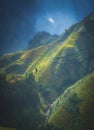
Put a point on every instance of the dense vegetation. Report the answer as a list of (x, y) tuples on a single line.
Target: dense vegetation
[(20, 105)]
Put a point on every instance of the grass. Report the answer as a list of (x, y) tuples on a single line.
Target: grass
[(61, 118), (75, 104), (85, 88)]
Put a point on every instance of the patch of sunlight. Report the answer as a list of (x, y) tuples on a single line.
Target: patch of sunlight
[(85, 87), (47, 56), (26, 54), (69, 46)]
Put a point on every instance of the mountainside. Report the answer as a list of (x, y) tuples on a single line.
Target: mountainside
[(74, 109), (41, 38), (59, 63), (32, 80)]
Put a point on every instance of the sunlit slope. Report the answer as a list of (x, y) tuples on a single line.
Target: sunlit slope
[(9, 59), (74, 109), (20, 64), (72, 58), (59, 63)]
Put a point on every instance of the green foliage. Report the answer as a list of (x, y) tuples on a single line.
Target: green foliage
[(60, 118), (85, 88), (9, 77), (20, 104), (75, 105)]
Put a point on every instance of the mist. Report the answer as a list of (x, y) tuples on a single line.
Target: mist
[(21, 20)]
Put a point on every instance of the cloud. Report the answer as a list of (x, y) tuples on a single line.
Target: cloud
[(51, 20)]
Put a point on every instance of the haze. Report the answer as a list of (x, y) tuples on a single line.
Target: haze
[(21, 20)]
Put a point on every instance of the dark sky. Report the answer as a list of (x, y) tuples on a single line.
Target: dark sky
[(21, 19)]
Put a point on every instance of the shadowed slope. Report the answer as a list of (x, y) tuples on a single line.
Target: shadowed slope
[(74, 109)]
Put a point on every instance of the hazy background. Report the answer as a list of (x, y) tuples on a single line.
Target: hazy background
[(21, 19)]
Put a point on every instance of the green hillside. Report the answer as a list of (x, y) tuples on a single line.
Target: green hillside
[(74, 109), (32, 80), (59, 63)]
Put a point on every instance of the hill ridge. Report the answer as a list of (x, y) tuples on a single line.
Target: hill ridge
[(59, 63)]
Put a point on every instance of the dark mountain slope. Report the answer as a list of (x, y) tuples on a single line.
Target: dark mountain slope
[(41, 38), (20, 104), (74, 109)]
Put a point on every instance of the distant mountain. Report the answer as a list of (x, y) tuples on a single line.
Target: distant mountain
[(74, 109), (41, 38)]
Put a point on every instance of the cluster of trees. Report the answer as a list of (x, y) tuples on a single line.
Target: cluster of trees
[(20, 104)]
